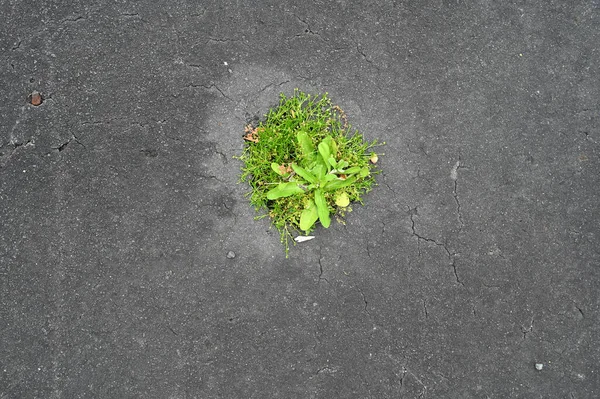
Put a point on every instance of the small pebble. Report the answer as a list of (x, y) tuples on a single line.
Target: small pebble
[(36, 98), (230, 255), (539, 366)]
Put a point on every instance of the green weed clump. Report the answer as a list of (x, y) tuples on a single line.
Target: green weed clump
[(304, 165)]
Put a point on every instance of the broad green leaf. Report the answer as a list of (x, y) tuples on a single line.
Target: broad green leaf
[(322, 208), (339, 183), (319, 172), (324, 151), (330, 177), (323, 163), (275, 167), (309, 216), (352, 170), (332, 162), (332, 145), (306, 145), (284, 190), (364, 172), (306, 175)]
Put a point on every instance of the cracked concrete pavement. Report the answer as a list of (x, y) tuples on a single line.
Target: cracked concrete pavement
[(474, 259)]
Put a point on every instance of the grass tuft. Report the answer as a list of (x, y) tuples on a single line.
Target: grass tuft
[(303, 164)]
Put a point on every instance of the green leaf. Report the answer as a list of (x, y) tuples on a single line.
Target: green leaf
[(324, 151), (339, 183), (284, 190), (322, 208), (275, 167), (332, 145), (306, 145), (332, 162), (330, 177), (319, 171), (352, 170), (309, 216), (364, 172), (306, 175)]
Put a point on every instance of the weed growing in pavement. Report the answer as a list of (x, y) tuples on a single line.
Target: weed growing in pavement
[(303, 165)]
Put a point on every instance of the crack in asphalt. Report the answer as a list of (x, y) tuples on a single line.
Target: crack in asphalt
[(456, 273), (362, 294), (389, 187), (420, 147), (412, 212), (451, 255), (406, 371), (171, 329), (420, 237), (273, 84), (212, 85), (64, 145), (223, 157), (73, 19), (16, 146), (422, 176), (454, 176), (321, 267), (308, 30), (202, 176), (402, 378), (587, 136), (362, 53), (526, 331), (385, 183)]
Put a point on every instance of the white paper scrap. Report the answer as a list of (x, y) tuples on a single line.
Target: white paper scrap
[(303, 238)]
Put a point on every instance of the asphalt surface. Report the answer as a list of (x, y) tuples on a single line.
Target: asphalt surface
[(474, 259)]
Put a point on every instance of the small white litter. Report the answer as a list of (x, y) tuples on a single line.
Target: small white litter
[(303, 238)]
